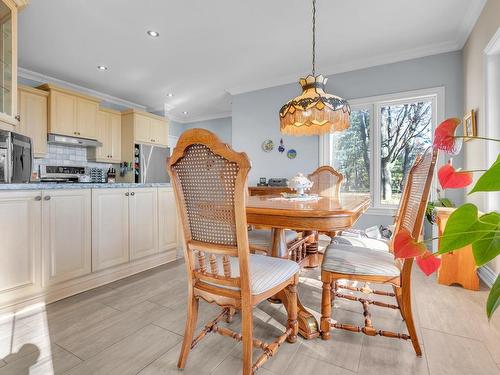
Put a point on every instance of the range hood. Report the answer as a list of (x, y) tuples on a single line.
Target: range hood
[(57, 139)]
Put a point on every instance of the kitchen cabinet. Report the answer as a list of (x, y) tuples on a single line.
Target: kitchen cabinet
[(109, 133), (110, 228), (66, 228), (143, 216), (86, 117), (71, 113), (143, 127), (20, 244), (33, 118), (168, 227)]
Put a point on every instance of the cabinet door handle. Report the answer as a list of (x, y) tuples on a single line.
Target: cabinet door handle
[(18, 117), (132, 193), (38, 198), (47, 198), (126, 194)]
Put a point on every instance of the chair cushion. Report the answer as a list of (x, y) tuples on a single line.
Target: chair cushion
[(263, 238), (353, 260), (265, 272), (362, 242)]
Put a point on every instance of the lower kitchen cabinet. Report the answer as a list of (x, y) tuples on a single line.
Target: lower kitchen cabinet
[(20, 243), (110, 228), (167, 221), (143, 216), (66, 233)]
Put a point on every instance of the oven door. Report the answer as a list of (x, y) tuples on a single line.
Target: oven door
[(21, 158)]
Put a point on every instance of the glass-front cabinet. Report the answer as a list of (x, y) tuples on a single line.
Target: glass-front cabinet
[(8, 64)]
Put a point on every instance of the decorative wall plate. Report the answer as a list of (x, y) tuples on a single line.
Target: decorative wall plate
[(292, 154), (268, 145)]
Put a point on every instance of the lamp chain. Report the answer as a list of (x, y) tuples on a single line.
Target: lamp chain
[(314, 40)]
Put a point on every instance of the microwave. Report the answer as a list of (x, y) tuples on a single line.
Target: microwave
[(16, 157)]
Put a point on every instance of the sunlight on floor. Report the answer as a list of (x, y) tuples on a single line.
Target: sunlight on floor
[(25, 345)]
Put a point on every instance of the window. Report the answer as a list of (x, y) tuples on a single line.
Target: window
[(385, 136)]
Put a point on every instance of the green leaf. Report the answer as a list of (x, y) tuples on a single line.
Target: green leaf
[(487, 248), (493, 298), (490, 180), (464, 228)]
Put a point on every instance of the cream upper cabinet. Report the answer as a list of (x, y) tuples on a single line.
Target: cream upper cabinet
[(8, 65), (167, 221), (142, 129), (66, 228), (62, 114), (159, 132), (71, 113), (86, 116), (33, 118), (109, 133), (110, 228), (143, 216), (20, 244)]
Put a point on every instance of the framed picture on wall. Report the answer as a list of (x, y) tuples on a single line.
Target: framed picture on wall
[(470, 129)]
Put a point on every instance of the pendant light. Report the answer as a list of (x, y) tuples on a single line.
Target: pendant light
[(314, 112)]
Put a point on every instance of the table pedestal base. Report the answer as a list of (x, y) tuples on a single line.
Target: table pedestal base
[(308, 325)]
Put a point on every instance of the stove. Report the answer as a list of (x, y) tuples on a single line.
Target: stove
[(61, 173)]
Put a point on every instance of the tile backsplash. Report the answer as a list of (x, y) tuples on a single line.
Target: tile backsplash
[(67, 155)]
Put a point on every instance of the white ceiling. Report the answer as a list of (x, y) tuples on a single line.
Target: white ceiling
[(209, 49)]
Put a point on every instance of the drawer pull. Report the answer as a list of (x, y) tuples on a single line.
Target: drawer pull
[(126, 194), (38, 198), (47, 198), (132, 193)]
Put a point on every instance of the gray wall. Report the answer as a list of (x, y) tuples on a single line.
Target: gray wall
[(221, 127), (255, 114)]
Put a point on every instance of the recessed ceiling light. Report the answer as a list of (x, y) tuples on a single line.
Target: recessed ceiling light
[(170, 94), (185, 113), (102, 67), (154, 34)]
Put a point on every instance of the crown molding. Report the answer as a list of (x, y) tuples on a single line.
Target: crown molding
[(390, 58), (190, 120), (472, 14), (43, 78)]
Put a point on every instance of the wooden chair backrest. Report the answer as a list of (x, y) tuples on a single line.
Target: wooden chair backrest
[(326, 182), (209, 181), (411, 212)]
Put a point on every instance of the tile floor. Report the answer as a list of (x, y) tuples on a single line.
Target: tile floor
[(135, 326)]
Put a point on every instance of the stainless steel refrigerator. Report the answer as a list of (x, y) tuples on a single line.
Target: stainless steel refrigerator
[(150, 163)]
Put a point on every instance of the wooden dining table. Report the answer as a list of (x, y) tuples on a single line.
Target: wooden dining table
[(323, 215)]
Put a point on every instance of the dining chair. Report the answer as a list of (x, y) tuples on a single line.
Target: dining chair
[(368, 265), (326, 183), (293, 245), (209, 181)]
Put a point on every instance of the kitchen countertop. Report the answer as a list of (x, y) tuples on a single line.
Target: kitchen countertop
[(87, 185)]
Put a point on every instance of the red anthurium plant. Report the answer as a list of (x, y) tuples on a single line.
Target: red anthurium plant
[(466, 226), (449, 178)]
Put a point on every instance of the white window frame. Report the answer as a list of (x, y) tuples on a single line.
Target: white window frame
[(373, 104)]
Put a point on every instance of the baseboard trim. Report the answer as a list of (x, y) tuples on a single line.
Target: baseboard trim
[(487, 275)]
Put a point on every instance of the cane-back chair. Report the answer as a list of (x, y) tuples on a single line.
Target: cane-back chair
[(293, 244), (209, 180), (326, 182), (367, 265)]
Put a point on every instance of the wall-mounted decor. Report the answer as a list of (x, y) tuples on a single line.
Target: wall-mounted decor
[(281, 147), (292, 154), (268, 145), (470, 127)]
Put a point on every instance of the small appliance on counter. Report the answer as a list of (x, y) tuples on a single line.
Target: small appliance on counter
[(97, 175), (278, 182), (150, 163), (262, 181), (16, 157), (62, 174)]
